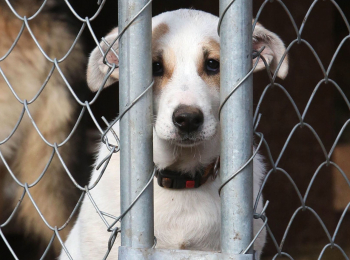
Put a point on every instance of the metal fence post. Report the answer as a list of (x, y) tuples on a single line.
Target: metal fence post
[(236, 126), (136, 125)]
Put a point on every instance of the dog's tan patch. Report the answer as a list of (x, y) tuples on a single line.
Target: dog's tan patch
[(211, 50), (183, 246), (158, 32), (162, 54), (167, 58)]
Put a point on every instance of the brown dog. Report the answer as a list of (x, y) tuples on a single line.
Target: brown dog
[(54, 112)]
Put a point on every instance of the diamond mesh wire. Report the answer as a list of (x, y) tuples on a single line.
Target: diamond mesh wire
[(86, 108), (302, 123)]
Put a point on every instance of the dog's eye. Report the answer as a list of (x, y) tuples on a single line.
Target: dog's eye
[(157, 69), (212, 66)]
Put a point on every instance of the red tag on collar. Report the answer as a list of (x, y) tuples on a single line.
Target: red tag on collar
[(190, 184)]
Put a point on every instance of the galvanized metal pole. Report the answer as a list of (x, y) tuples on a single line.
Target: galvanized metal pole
[(236, 126), (136, 125)]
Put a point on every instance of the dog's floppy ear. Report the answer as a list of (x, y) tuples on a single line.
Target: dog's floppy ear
[(97, 69), (273, 52)]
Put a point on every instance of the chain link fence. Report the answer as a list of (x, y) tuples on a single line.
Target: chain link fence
[(114, 145), (302, 123)]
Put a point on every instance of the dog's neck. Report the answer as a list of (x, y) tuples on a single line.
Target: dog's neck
[(185, 159)]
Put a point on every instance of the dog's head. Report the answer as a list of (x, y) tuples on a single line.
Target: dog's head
[(186, 70)]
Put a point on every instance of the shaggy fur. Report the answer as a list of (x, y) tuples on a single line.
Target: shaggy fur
[(183, 41), (54, 112)]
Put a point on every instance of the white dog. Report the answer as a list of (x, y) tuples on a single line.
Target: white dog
[(186, 68)]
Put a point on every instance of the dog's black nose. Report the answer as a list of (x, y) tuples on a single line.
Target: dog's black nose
[(188, 119)]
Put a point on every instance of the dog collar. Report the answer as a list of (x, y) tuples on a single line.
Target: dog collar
[(178, 180)]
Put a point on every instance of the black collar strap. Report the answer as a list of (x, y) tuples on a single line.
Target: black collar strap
[(177, 180)]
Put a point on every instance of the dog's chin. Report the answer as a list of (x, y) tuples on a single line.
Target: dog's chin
[(186, 142)]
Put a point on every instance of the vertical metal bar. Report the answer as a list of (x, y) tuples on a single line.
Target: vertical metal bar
[(236, 126), (136, 154)]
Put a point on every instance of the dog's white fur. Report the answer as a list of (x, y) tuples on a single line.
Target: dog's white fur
[(187, 218)]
